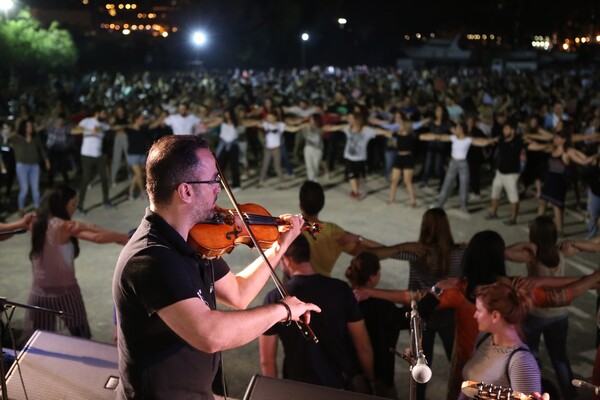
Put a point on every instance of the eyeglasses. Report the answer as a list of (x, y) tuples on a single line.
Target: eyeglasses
[(216, 181)]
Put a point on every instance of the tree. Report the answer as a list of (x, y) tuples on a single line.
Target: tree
[(26, 45)]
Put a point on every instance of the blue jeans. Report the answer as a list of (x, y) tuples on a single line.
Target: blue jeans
[(460, 168), (555, 331), (28, 175), (593, 210), (434, 159)]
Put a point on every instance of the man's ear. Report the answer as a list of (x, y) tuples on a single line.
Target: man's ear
[(184, 191)]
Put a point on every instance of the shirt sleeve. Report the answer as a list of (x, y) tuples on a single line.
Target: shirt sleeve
[(524, 373), (406, 256), (157, 279), (169, 121), (221, 268)]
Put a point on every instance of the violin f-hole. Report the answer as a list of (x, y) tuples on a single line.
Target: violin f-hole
[(234, 234)]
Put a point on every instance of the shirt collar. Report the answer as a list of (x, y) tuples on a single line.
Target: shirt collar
[(169, 233)]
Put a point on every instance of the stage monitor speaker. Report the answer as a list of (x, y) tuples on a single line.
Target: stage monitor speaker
[(266, 388), (63, 367)]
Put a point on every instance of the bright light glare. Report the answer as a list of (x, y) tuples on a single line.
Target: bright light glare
[(6, 4), (199, 38), (305, 36), (342, 21)]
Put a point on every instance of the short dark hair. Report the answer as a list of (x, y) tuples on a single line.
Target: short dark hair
[(171, 160), (312, 197), (299, 250)]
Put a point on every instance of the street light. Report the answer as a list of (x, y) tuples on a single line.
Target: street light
[(340, 48), (305, 36), (199, 41), (199, 38)]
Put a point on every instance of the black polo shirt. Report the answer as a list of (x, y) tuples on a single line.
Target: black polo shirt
[(157, 268)]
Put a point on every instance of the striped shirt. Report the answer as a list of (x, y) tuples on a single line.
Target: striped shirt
[(489, 365), (423, 276)]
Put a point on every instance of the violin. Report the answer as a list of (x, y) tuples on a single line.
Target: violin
[(225, 230)]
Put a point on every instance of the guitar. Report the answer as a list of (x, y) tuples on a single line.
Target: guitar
[(484, 391)]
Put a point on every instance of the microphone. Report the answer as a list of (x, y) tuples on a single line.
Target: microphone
[(584, 384), (420, 371)]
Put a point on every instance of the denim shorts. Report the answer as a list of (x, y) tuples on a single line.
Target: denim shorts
[(136, 159)]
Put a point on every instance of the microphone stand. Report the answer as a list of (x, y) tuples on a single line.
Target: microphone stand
[(305, 329), (415, 351), (4, 305)]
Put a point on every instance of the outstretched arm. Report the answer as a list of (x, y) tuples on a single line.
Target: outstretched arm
[(431, 137), (521, 252), (577, 246), (579, 157), (333, 128), (395, 296), (384, 252), (92, 233)]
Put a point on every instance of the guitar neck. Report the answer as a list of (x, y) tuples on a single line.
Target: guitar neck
[(484, 391)]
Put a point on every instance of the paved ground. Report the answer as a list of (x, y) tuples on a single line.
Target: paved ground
[(371, 218)]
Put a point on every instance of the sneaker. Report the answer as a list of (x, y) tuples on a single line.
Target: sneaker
[(236, 189), (490, 216), (474, 197), (510, 222), (108, 205)]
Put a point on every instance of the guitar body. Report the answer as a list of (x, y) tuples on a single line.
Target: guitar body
[(484, 391)]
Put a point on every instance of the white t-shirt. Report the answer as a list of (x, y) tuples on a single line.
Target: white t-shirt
[(228, 133), (182, 125), (356, 143), (93, 133), (460, 147), (273, 134)]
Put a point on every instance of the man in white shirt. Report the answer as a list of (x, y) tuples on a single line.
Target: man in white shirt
[(182, 123), (92, 161)]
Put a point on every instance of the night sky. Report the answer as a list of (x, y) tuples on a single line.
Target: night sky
[(267, 32)]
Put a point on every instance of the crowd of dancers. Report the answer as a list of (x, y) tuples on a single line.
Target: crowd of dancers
[(519, 130)]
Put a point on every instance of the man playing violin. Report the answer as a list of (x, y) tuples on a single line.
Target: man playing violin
[(169, 331)]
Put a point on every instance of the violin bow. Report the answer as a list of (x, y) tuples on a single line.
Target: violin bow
[(305, 329)]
